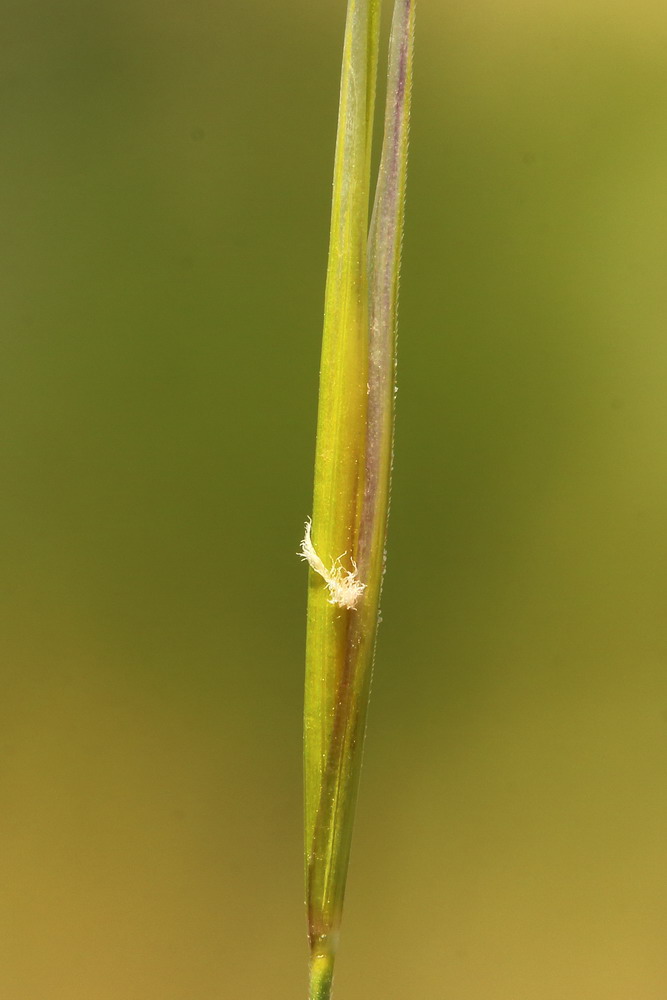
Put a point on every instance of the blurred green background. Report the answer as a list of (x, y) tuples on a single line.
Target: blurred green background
[(165, 182)]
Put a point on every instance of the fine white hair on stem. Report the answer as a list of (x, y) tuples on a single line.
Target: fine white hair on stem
[(344, 586)]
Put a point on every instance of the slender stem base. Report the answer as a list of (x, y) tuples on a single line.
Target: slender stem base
[(321, 976)]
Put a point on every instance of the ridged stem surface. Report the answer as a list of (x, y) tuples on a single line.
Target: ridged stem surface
[(353, 459)]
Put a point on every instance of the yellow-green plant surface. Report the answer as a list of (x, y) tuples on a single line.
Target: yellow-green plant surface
[(157, 379), (345, 546)]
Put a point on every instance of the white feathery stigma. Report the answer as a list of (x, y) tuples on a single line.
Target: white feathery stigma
[(344, 586)]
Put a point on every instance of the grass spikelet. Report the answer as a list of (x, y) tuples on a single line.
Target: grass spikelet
[(345, 544)]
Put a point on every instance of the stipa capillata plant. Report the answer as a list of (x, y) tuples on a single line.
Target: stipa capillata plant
[(345, 544)]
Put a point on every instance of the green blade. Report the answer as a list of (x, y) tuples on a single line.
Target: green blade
[(384, 264), (339, 453), (353, 462)]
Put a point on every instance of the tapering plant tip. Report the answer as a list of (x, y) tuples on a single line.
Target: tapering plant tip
[(321, 976)]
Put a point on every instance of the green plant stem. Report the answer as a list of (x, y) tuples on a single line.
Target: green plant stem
[(321, 976)]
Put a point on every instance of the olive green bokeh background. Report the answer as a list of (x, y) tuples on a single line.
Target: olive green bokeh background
[(165, 183)]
